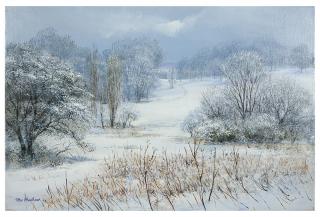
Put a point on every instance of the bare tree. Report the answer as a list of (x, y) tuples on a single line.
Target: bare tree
[(114, 78), (171, 77), (101, 110), (244, 73), (214, 104), (301, 57), (273, 53)]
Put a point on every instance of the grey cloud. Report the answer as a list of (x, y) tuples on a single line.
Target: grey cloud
[(180, 30)]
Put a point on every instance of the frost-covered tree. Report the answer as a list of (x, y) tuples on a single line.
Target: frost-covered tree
[(114, 79), (43, 96), (139, 59), (290, 105), (92, 62), (301, 57), (285, 112), (65, 48), (215, 105), (284, 99), (48, 39), (273, 53), (181, 69), (244, 73), (171, 77)]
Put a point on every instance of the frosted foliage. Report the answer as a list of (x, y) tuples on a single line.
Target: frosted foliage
[(140, 59), (214, 104), (262, 128), (60, 46), (192, 121), (43, 96), (244, 73), (290, 105), (252, 108)]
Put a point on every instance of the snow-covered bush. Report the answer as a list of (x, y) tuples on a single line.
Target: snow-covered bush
[(261, 128), (191, 122), (201, 128), (126, 115), (217, 130), (290, 105)]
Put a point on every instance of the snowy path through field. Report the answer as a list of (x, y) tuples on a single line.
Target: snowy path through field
[(167, 109), (159, 122)]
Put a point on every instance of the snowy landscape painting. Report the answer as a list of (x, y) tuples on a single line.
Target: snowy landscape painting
[(159, 108)]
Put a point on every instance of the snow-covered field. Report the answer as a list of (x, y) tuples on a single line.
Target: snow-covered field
[(158, 127)]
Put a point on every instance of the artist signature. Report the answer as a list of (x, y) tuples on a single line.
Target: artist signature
[(27, 199)]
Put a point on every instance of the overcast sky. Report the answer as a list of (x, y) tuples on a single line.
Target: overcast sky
[(181, 31)]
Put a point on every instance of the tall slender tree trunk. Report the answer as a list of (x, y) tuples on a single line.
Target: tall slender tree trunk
[(101, 118), (101, 112), (112, 118)]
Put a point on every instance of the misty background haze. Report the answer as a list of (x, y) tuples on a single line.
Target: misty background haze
[(180, 31)]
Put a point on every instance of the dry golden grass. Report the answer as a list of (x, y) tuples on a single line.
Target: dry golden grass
[(149, 180)]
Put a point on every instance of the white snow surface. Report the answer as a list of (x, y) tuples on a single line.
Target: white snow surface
[(159, 125)]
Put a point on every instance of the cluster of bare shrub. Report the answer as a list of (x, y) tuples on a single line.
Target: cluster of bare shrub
[(146, 180), (252, 106), (124, 117)]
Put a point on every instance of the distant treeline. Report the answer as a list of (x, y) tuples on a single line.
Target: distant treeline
[(207, 61)]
